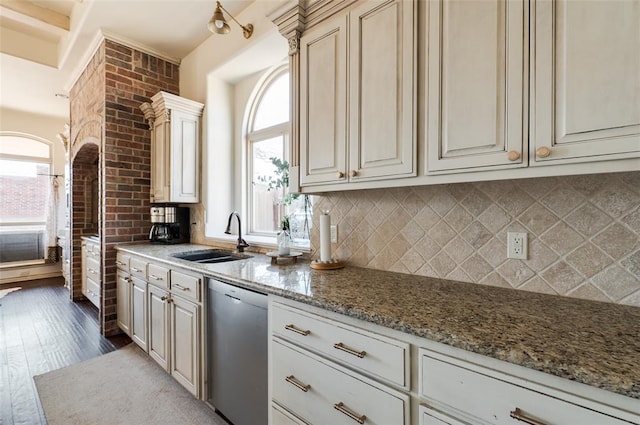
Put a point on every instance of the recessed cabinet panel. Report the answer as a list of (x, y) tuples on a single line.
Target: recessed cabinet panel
[(185, 344), (158, 326), (476, 85), (381, 90), (124, 301), (139, 312), (185, 158), (587, 68), (323, 104)]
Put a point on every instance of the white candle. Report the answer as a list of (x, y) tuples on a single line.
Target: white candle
[(325, 237)]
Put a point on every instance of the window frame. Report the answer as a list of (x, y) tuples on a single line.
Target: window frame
[(251, 137)]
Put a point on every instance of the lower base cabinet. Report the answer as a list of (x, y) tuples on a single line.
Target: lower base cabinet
[(322, 392), (185, 343), (174, 341), (478, 395)]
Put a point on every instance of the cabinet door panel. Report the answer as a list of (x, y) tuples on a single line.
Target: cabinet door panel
[(159, 326), (381, 90), (476, 84), (323, 103), (159, 161), (184, 157), (586, 74), (185, 344), (139, 312), (124, 302)]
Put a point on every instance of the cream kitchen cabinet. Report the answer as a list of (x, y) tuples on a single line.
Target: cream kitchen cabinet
[(123, 293), (185, 343), (325, 371), (174, 329), (477, 394), (357, 101), (139, 315), (91, 270), (175, 148), (585, 81), (159, 325), (476, 85)]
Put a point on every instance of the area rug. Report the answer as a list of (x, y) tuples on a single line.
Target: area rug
[(121, 387)]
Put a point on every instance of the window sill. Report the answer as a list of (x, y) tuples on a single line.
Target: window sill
[(261, 243)]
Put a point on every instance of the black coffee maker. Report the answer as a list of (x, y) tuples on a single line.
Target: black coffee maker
[(169, 225)]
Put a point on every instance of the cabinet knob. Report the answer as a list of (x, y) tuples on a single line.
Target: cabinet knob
[(543, 152), (339, 174), (513, 155), (164, 298), (353, 173)]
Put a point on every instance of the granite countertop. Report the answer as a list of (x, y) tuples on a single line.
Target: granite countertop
[(591, 342)]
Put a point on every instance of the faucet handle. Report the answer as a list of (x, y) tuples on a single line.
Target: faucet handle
[(242, 244)]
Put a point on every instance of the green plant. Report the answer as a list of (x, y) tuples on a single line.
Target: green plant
[(281, 180)]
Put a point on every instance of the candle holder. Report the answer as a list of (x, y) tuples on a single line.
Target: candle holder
[(333, 264)]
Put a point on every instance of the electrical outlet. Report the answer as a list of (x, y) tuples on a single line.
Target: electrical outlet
[(334, 233), (517, 245)]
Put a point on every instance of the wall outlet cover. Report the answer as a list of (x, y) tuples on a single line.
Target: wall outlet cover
[(517, 245)]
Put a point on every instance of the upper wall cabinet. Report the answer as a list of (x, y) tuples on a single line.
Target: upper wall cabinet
[(585, 100), (357, 100), (476, 84), (175, 148)]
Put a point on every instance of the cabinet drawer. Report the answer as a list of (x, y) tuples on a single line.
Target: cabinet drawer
[(433, 417), (280, 416), (93, 269), (477, 397), (185, 285), (321, 392), (122, 261), (158, 275), (93, 292), (377, 355), (138, 268)]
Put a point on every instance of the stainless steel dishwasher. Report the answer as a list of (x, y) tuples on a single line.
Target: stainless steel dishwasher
[(237, 350)]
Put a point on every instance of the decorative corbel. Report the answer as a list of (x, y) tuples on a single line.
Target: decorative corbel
[(149, 114)]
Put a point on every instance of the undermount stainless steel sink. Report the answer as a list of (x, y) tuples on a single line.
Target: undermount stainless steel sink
[(207, 256)]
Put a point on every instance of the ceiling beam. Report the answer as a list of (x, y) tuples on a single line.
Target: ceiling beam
[(33, 15)]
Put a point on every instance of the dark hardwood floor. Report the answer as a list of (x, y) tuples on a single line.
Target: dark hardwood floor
[(42, 330)]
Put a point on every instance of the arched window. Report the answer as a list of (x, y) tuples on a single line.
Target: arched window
[(26, 197), (268, 199)]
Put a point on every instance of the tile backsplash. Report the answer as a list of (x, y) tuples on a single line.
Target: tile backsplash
[(584, 233)]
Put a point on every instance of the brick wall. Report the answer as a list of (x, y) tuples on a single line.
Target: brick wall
[(129, 78), (24, 197)]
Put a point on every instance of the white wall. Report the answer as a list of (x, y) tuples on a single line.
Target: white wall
[(221, 73)]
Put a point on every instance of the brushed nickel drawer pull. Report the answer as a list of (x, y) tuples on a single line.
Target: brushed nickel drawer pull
[(154, 277), (181, 287), (163, 298), (292, 328), (120, 263), (340, 407), (519, 416), (136, 270), (292, 380), (358, 354)]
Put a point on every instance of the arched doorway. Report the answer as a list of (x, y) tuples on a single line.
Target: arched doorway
[(85, 206)]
